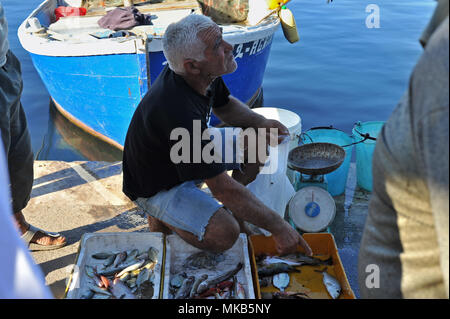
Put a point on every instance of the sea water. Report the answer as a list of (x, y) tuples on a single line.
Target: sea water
[(342, 70)]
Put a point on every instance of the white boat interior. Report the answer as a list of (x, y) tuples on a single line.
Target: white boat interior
[(42, 28)]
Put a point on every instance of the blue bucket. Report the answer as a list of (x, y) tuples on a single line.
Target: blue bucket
[(366, 134), (337, 179)]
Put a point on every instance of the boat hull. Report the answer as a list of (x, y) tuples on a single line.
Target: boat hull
[(101, 91)]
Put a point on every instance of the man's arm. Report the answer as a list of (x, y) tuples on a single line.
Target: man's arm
[(245, 206), (238, 114)]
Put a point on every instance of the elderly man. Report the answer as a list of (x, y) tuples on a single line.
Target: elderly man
[(185, 92)]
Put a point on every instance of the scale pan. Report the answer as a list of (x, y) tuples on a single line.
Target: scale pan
[(316, 158)]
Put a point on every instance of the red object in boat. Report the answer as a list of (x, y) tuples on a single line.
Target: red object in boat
[(69, 11)]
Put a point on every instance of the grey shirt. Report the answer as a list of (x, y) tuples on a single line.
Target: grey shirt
[(4, 45), (406, 232)]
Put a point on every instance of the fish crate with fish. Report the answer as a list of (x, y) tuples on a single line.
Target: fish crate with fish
[(118, 266), (297, 276), (191, 273)]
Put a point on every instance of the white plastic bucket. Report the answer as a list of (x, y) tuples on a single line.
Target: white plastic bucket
[(289, 119)]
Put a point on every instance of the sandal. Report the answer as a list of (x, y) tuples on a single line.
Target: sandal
[(29, 234)]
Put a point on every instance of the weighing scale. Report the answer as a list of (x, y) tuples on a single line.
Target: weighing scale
[(312, 209)]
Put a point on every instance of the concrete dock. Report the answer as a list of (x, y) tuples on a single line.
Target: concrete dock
[(74, 198)]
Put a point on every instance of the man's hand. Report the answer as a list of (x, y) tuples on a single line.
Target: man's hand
[(283, 132), (287, 239)]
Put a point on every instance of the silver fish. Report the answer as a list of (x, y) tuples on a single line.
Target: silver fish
[(132, 255), (113, 270), (87, 294), (120, 257), (131, 267), (281, 281), (274, 269), (99, 290), (177, 280), (185, 288), (101, 296), (143, 276), (153, 254), (240, 291), (102, 255), (306, 260), (331, 284), (214, 281), (196, 284), (120, 290), (142, 256), (108, 262), (90, 271), (203, 259), (274, 260)]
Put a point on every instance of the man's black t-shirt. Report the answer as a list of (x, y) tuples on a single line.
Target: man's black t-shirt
[(170, 103)]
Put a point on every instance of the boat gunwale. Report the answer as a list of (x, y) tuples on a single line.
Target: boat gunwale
[(41, 46)]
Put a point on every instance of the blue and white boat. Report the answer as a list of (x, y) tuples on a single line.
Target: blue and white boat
[(97, 83)]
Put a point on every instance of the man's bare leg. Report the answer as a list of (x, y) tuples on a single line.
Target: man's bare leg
[(220, 235), (155, 225)]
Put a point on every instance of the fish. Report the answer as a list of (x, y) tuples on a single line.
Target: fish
[(209, 292), (131, 268), (142, 256), (177, 280), (290, 295), (126, 276), (306, 260), (105, 281), (90, 271), (120, 257), (224, 284), (108, 262), (274, 269), (98, 290), (146, 290), (143, 276), (112, 270), (264, 282), (202, 260), (153, 254), (196, 284), (132, 255), (214, 281), (101, 296), (275, 260), (281, 281), (120, 290), (97, 281), (225, 294), (102, 255), (150, 265), (185, 288), (331, 284), (87, 294), (240, 291), (131, 282)]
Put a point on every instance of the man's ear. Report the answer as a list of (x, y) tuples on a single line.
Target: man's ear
[(191, 67)]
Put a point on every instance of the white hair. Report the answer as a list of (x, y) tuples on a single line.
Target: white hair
[(181, 42)]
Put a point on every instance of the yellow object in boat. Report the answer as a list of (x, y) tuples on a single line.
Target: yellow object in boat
[(272, 4), (288, 24)]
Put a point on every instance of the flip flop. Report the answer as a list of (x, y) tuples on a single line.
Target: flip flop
[(28, 236)]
